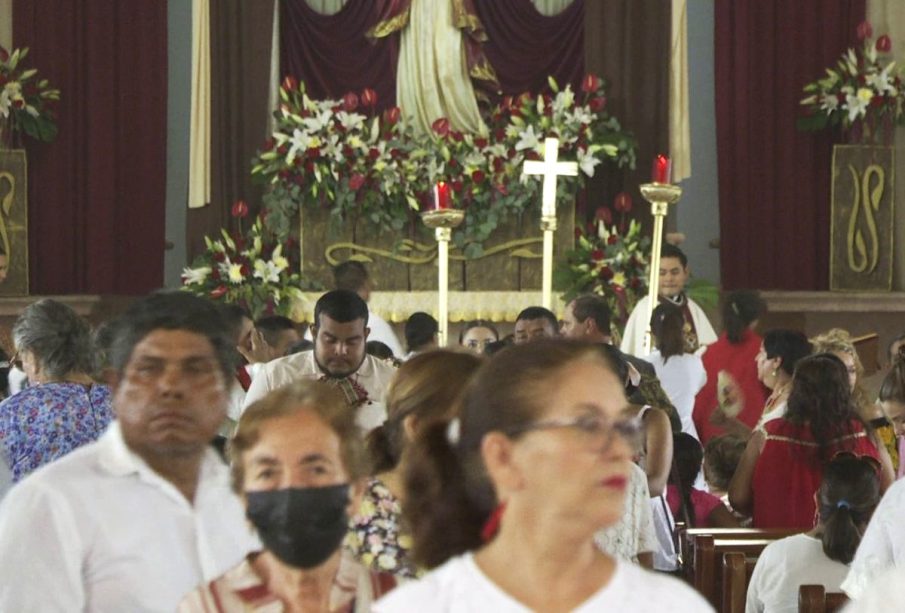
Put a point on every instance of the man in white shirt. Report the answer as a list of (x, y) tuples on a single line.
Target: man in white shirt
[(353, 276), (339, 357), (673, 276), (139, 518)]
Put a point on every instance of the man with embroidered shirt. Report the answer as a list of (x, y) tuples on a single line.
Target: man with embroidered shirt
[(673, 276), (339, 357), (139, 518)]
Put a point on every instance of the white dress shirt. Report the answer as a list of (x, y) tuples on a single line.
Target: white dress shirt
[(373, 375), (99, 530), (383, 332)]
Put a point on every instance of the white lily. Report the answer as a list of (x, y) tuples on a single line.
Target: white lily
[(350, 121), (195, 275), (528, 140), (858, 103), (587, 162)]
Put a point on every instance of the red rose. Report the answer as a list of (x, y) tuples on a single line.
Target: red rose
[(590, 83), (18, 103), (634, 283), (218, 291), (441, 127), (290, 83), (240, 209), (604, 214), (268, 144), (499, 134), (612, 240), (598, 104), (368, 97), (350, 102), (456, 186), (480, 143), (597, 255), (606, 273), (453, 164), (393, 114), (356, 181), (864, 30), (456, 136), (244, 270), (218, 257), (282, 149), (884, 44), (477, 176), (373, 153), (498, 165), (622, 202)]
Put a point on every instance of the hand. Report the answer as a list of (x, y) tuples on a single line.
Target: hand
[(260, 351)]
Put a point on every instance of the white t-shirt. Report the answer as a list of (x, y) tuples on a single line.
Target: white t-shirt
[(99, 530), (785, 565), (383, 332), (459, 586), (681, 377), (634, 532), (883, 544), (884, 594)]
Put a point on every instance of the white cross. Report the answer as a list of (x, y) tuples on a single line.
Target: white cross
[(550, 169)]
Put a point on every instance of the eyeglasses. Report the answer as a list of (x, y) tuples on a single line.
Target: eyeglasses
[(592, 426)]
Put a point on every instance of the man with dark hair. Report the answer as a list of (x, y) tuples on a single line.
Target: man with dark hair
[(533, 323), (673, 276), (420, 333), (274, 335), (137, 519), (353, 276), (339, 357)]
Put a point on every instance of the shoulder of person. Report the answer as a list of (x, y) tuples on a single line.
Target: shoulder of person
[(436, 591), (644, 590)]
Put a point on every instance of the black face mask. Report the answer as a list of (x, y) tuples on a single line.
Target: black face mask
[(301, 526)]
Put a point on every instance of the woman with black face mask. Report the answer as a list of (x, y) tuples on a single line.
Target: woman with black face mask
[(298, 461)]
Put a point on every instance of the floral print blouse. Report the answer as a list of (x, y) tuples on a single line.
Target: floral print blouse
[(45, 422), (376, 535)]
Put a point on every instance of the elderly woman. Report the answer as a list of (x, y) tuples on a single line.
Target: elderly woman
[(297, 461), (64, 408), (422, 391), (505, 502)]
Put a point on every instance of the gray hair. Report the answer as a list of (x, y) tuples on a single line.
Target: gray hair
[(58, 338)]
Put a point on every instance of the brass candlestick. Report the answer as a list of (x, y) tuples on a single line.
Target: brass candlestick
[(660, 196), (443, 221)]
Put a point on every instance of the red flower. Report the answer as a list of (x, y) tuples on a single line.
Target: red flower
[(597, 255), (218, 257), (218, 291), (622, 202), (268, 144), (590, 83), (498, 164), (502, 189), (350, 102), (441, 127), (606, 273), (18, 103), (373, 153), (393, 114), (282, 149), (368, 97), (477, 176), (507, 103), (290, 83), (612, 240), (884, 44), (864, 30), (456, 136), (598, 103), (480, 143), (604, 214), (456, 186), (240, 209), (356, 181), (244, 270), (499, 134), (577, 232)]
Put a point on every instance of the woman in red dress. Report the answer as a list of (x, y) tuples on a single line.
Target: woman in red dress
[(783, 465)]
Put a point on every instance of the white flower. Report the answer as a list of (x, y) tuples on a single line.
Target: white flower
[(195, 275), (350, 121), (587, 162), (279, 262), (528, 140), (266, 271), (563, 100), (318, 122), (829, 103), (881, 81), (299, 142), (235, 273), (858, 103)]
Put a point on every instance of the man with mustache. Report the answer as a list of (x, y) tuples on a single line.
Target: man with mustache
[(339, 357)]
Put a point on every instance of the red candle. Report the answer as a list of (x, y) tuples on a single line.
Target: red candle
[(662, 169), (441, 195)]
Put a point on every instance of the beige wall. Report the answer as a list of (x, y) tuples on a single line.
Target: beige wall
[(6, 23)]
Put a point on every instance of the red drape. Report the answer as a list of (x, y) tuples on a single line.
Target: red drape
[(331, 53), (525, 47), (774, 182), (96, 194)]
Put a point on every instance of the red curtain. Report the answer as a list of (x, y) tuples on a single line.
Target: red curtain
[(97, 194), (774, 182), (331, 53), (525, 47)]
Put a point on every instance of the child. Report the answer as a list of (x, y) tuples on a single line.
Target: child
[(696, 507)]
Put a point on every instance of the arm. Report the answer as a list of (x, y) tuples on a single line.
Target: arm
[(658, 443), (260, 386), (721, 517), (887, 470), (740, 495)]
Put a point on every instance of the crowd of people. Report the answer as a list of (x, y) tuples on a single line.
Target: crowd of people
[(186, 457)]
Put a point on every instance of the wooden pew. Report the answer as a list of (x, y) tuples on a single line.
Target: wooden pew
[(815, 599), (708, 558), (737, 569), (686, 545)]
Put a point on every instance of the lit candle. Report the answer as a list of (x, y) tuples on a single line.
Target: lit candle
[(441, 195), (662, 169)]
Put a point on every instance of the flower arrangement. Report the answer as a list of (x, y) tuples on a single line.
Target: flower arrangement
[(610, 260), (24, 100), (862, 93), (343, 155), (254, 270)]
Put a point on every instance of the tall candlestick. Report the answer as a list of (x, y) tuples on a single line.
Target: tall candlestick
[(443, 221), (441, 195), (661, 172)]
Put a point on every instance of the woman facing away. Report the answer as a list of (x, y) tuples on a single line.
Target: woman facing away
[(698, 508), (681, 373), (847, 497), (504, 502), (423, 390), (783, 464), (298, 463), (733, 354), (64, 408)]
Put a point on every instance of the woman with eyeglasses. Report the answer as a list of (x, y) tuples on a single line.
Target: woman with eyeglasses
[(504, 502), (477, 334), (63, 408), (846, 500), (783, 465)]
